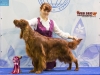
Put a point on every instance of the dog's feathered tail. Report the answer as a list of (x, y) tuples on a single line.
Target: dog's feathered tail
[(73, 44)]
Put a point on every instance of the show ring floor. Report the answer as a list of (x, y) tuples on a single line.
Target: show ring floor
[(55, 71)]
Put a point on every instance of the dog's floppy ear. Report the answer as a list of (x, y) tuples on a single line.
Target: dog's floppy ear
[(21, 34), (24, 35), (24, 29)]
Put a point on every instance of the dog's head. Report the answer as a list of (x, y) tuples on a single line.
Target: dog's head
[(73, 44), (20, 23)]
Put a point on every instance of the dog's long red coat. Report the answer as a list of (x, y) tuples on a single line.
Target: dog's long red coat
[(42, 49)]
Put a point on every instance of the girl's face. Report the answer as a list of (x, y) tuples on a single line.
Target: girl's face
[(44, 12)]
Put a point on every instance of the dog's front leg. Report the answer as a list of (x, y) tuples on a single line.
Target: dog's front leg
[(41, 64), (34, 63)]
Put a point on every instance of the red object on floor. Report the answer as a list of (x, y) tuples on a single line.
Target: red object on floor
[(16, 61)]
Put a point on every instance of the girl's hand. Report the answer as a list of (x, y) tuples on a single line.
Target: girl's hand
[(75, 38)]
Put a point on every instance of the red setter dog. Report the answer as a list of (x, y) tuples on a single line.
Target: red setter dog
[(42, 49)]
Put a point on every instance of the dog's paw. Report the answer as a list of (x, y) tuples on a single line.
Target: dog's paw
[(76, 69), (32, 71), (37, 72), (68, 68)]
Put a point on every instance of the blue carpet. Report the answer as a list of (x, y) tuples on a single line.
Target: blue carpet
[(55, 71)]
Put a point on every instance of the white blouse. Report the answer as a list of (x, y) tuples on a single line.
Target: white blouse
[(33, 23)]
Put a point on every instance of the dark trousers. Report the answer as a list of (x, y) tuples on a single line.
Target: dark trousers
[(50, 65)]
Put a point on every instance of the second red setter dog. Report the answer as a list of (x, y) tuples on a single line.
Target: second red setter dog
[(42, 49)]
